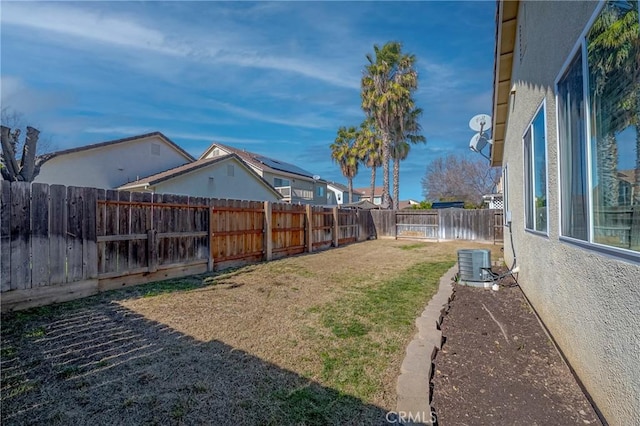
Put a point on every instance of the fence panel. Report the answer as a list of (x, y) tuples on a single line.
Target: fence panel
[(348, 226), (288, 229), (498, 227), (5, 235), (417, 224), (237, 232), (322, 227)]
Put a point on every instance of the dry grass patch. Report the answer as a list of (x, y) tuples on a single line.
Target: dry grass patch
[(315, 339)]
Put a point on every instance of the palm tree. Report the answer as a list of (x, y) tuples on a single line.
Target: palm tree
[(369, 148), (387, 87), (403, 135), (614, 62), (343, 152), (399, 152)]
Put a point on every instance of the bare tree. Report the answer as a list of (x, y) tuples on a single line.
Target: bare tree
[(18, 161), (453, 178)]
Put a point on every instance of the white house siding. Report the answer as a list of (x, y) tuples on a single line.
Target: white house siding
[(589, 301), (111, 166), (215, 182)]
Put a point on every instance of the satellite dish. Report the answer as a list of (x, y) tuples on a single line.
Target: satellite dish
[(478, 142), (316, 177), (480, 123)]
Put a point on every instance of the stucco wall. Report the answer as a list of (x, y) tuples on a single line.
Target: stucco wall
[(589, 301), (241, 186), (111, 166)]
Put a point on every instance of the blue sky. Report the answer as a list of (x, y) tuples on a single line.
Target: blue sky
[(273, 78)]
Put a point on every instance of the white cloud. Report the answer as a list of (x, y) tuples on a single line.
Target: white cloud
[(123, 31), (310, 121), (81, 24)]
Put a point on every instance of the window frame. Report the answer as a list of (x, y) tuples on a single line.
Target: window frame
[(580, 46), (541, 109)]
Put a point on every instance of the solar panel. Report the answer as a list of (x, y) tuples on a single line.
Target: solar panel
[(282, 166)]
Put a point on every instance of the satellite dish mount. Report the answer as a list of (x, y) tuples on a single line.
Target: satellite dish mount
[(480, 123)]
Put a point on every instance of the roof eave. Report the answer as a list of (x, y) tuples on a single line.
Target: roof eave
[(506, 29)]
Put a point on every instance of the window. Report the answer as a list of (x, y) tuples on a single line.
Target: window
[(321, 191), (281, 182), (598, 120), (155, 149), (535, 174), (230, 170)]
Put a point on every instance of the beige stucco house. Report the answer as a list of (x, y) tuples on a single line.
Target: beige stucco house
[(113, 163), (218, 177), (565, 123), (366, 194), (295, 184)]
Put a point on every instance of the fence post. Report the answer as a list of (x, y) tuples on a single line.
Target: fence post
[(309, 226), (268, 224), (336, 227)]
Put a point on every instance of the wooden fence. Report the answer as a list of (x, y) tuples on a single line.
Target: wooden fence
[(60, 243), (440, 224)]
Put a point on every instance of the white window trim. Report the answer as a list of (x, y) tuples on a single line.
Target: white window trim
[(505, 195), (589, 244), (542, 107)]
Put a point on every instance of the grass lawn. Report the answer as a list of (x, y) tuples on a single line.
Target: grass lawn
[(314, 339)]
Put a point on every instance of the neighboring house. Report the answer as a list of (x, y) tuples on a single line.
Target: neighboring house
[(113, 163), (219, 177), (366, 194), (295, 184), (493, 201), (406, 204), (565, 135), (339, 194)]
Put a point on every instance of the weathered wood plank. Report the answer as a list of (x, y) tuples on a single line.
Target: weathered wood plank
[(111, 223), (20, 235), (40, 234), (89, 234), (100, 227), (57, 234), (75, 218), (163, 273), (140, 224), (124, 228), (5, 235), (42, 296)]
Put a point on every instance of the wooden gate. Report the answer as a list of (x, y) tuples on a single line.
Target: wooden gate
[(237, 232), (288, 229)]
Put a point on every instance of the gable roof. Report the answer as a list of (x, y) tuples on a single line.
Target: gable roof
[(366, 191), (343, 188), (193, 166), (168, 141), (363, 204), (261, 162)]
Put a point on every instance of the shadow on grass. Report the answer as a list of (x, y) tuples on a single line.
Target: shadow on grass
[(96, 362)]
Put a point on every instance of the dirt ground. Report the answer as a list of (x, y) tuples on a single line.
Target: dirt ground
[(240, 347), (498, 367)]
